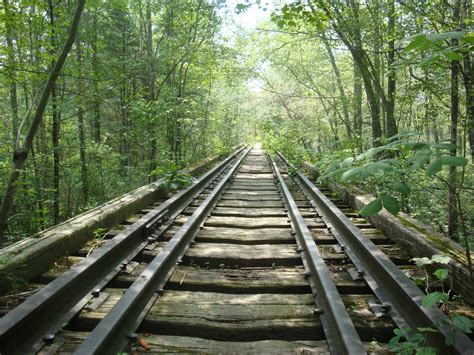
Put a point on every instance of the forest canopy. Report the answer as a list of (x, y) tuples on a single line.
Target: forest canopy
[(378, 94)]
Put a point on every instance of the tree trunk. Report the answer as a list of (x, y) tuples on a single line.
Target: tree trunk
[(149, 51), (392, 73), (11, 71), (21, 152), (55, 126), (452, 207), (95, 68), (56, 157), (466, 9), (340, 87), (357, 106), (372, 98), (361, 61), (39, 191), (376, 61), (80, 128), (151, 90)]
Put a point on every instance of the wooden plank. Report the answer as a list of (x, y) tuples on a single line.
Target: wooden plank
[(245, 236), (249, 169), (250, 179), (240, 222), (242, 185), (248, 280), (256, 280), (262, 197), (246, 212), (184, 344), (238, 194), (243, 317), (243, 280), (247, 222), (250, 204), (251, 236), (261, 188), (219, 254), (256, 213), (394, 253), (254, 176), (227, 316)]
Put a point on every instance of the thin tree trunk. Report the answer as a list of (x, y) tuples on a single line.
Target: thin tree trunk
[(376, 62), (468, 68), (39, 191), (452, 207), (55, 127), (151, 90), (357, 106), (149, 51), (360, 59), (80, 127), (56, 157), (21, 150), (11, 71), (340, 87), (392, 73), (95, 68)]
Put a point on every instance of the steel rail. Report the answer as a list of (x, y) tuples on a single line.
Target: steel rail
[(46, 311), (399, 296), (117, 329), (341, 335)]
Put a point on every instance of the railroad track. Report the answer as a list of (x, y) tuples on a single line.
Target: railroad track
[(247, 259)]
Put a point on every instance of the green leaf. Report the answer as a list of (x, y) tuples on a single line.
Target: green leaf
[(372, 169), (417, 42), (391, 204), (435, 37), (352, 173), (462, 323), (441, 274), (435, 166), (449, 339), (441, 259), (454, 161), (347, 162), (332, 166), (241, 7), (372, 208), (416, 338), (427, 330), (468, 38), (420, 161), (447, 146), (422, 261), (426, 350), (386, 167), (455, 34), (415, 145), (432, 298), (453, 55), (401, 187), (371, 152)]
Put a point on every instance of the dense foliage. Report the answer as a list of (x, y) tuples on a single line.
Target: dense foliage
[(148, 87)]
